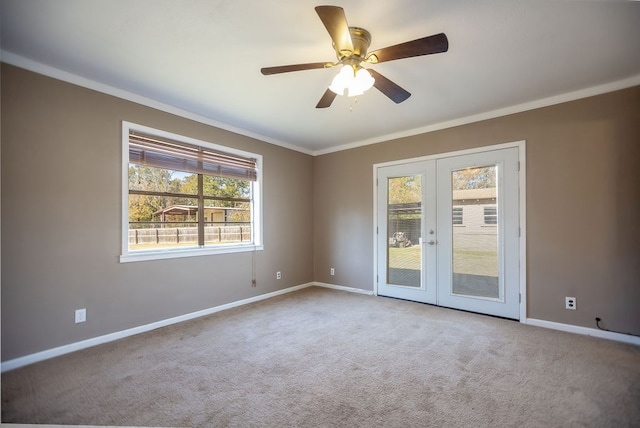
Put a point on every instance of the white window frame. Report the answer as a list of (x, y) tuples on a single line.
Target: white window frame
[(170, 253)]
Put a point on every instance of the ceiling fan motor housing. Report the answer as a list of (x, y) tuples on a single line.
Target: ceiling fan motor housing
[(360, 39)]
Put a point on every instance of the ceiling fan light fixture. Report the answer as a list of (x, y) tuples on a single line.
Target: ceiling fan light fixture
[(342, 80), (351, 45), (354, 82), (364, 81)]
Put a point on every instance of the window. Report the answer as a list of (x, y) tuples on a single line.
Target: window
[(185, 197), (457, 215), (490, 215)]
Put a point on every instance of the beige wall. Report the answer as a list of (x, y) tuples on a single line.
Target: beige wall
[(61, 151), (583, 205), (61, 221)]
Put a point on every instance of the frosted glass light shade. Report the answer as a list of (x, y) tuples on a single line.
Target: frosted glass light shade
[(363, 81), (342, 80), (355, 83)]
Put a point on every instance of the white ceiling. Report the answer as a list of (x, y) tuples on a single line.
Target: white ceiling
[(204, 57)]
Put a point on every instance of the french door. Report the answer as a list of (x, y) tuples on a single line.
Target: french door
[(448, 232)]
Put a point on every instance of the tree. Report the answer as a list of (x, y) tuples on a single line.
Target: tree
[(474, 178), (221, 187), (404, 190), (241, 216), (142, 207)]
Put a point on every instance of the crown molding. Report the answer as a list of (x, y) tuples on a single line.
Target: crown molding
[(519, 108), (37, 67), (55, 73)]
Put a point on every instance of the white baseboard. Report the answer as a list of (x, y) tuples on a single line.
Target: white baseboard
[(65, 349), (343, 288), (620, 337), (627, 338)]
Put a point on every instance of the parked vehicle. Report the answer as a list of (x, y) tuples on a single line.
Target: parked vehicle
[(400, 240)]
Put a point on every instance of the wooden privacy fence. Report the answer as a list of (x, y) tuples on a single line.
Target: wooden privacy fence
[(189, 235)]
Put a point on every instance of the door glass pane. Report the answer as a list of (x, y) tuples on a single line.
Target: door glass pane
[(404, 218), (475, 232)]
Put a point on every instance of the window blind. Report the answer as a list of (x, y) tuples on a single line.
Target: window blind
[(157, 152)]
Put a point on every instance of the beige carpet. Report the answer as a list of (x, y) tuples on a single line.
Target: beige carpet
[(326, 358)]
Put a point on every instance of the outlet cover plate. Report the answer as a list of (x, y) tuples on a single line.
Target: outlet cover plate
[(570, 303)]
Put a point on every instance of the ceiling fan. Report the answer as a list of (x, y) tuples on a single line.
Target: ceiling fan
[(351, 44)]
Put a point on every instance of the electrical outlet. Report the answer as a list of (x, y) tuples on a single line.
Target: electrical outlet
[(278, 275), (81, 315), (570, 303), (333, 271)]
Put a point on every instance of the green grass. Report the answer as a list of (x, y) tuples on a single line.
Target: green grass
[(405, 258), (142, 247), (464, 261), (161, 246)]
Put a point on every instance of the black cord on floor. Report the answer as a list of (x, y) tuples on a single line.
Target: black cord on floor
[(612, 331)]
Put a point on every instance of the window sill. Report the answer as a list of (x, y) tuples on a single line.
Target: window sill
[(140, 256)]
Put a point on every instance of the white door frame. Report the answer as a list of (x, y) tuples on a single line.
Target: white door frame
[(427, 291), (522, 198)]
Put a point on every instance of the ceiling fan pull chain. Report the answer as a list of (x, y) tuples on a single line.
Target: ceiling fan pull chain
[(355, 100)]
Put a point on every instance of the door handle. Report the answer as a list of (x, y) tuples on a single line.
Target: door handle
[(431, 242)]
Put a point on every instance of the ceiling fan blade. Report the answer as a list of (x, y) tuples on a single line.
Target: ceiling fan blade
[(326, 99), (387, 87), (427, 45), (294, 67), (335, 22)]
